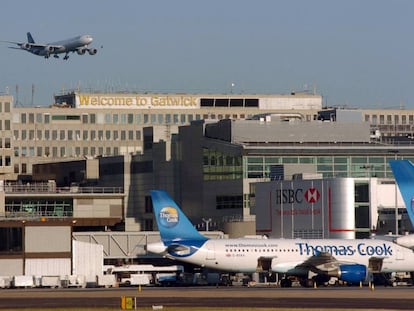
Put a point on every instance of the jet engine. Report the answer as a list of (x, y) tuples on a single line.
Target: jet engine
[(352, 273), (49, 49), (26, 46), (92, 51), (81, 51)]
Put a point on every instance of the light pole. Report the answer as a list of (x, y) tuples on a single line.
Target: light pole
[(395, 152), (207, 222)]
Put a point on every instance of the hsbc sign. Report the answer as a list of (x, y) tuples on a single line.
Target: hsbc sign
[(290, 196)]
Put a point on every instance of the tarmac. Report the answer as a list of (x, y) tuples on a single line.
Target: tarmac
[(383, 298)]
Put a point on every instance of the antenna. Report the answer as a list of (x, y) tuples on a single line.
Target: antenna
[(17, 95), (33, 91)]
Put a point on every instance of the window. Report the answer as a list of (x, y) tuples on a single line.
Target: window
[(7, 107), (251, 102), (115, 119), (236, 102), (23, 118), (123, 118), (207, 102), (84, 118), (222, 102), (107, 118)]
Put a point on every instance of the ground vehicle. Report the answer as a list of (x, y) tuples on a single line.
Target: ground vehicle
[(129, 275)]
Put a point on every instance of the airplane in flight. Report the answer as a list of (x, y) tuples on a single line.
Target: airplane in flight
[(77, 44), (312, 261)]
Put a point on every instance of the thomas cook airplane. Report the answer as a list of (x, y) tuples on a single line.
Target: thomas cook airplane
[(77, 44), (312, 261)]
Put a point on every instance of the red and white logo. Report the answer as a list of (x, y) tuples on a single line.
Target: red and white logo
[(312, 195)]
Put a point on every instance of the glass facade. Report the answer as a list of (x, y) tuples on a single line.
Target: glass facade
[(328, 165), (34, 208), (219, 166)]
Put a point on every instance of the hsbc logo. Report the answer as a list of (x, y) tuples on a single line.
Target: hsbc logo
[(312, 195), (290, 196)]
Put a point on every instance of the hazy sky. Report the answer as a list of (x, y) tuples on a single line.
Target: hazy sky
[(357, 53)]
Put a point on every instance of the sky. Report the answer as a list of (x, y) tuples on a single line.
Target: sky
[(355, 53)]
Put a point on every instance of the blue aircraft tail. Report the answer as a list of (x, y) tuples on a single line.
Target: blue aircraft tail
[(403, 171), (30, 38), (174, 226)]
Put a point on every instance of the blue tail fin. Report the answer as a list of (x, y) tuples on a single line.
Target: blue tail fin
[(174, 226), (30, 38), (403, 171)]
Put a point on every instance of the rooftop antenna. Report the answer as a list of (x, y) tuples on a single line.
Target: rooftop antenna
[(33, 91), (17, 95)]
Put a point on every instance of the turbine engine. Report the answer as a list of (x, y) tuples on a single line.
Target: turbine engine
[(92, 51), (81, 51)]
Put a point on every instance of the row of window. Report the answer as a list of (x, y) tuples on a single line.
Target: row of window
[(389, 119), (85, 135), (64, 151), (130, 118), (262, 250), (218, 166), (123, 118), (229, 102)]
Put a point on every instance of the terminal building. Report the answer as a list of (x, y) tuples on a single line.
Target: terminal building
[(92, 158)]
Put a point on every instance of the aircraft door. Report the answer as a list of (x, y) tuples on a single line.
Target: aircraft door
[(211, 254)]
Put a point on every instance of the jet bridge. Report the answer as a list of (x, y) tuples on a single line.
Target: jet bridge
[(128, 245)]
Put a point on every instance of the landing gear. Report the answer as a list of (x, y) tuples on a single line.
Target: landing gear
[(56, 56), (285, 283), (66, 56)]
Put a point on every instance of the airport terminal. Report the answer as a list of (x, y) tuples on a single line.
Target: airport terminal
[(89, 161)]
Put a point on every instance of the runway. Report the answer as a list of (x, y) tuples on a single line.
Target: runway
[(235, 297)]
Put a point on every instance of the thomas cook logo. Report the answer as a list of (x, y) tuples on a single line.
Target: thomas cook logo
[(312, 195), (169, 217)]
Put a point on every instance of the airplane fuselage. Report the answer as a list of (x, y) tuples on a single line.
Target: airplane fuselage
[(243, 255), (79, 44)]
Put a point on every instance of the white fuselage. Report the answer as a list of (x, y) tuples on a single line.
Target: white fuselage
[(242, 255), (72, 44)]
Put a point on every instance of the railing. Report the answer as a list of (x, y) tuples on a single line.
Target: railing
[(50, 188)]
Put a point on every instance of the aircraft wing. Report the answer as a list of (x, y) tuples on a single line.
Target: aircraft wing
[(321, 263), (325, 265)]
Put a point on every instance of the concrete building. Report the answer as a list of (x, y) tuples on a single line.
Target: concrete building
[(208, 150), (90, 125)]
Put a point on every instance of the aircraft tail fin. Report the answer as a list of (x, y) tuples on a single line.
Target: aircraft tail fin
[(403, 171), (30, 38), (173, 224)]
